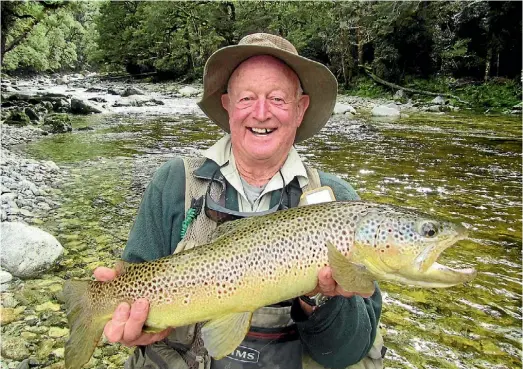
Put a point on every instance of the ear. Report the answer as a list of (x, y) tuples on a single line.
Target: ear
[(226, 101), (303, 104)]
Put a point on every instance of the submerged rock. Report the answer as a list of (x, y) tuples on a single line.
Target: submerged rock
[(14, 348), (27, 251)]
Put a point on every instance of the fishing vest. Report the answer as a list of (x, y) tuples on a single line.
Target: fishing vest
[(273, 340)]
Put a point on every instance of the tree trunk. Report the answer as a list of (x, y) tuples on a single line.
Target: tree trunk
[(360, 46), (407, 89), (487, 64)]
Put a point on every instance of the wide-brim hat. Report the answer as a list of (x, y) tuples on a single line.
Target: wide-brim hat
[(316, 80)]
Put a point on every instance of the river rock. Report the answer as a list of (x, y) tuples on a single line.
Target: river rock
[(14, 348), (58, 123), (62, 80), (5, 277), (18, 118), (340, 108), (438, 100), (81, 107), (399, 95), (132, 91), (138, 101), (51, 166), (27, 251), (394, 106), (31, 113), (435, 108), (98, 99), (188, 91), (385, 111)]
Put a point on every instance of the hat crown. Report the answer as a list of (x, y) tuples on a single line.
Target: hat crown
[(268, 40)]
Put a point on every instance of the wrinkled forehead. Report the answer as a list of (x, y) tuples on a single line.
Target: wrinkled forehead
[(255, 64)]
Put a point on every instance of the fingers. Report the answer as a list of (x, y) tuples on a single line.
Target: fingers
[(104, 274), (137, 318), (127, 324), (114, 329), (328, 286)]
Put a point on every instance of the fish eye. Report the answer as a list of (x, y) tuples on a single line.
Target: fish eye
[(429, 229)]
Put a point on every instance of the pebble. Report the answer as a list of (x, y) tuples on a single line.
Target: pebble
[(26, 182), (57, 332), (14, 348), (5, 277), (48, 306)]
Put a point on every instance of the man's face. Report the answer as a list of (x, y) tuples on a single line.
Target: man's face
[(264, 107)]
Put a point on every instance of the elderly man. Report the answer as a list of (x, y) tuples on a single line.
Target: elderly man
[(268, 97)]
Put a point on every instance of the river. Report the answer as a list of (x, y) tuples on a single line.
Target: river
[(462, 166)]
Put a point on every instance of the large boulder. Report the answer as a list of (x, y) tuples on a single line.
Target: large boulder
[(28, 251), (57, 123), (385, 111), (81, 107)]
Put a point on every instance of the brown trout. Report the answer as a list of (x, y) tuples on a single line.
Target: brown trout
[(259, 261)]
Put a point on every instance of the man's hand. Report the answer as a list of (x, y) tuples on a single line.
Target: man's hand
[(128, 321), (327, 286)]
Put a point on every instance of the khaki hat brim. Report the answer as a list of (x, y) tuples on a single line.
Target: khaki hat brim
[(317, 81)]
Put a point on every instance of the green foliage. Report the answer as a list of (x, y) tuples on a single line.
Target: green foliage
[(366, 87), (494, 95), (45, 37), (497, 95), (400, 41)]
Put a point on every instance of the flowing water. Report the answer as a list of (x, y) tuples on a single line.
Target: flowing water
[(464, 167)]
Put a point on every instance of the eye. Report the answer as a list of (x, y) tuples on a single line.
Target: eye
[(277, 100), (429, 229)]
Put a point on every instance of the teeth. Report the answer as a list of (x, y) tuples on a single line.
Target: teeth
[(261, 130)]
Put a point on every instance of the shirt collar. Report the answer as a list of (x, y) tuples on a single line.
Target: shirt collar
[(221, 152)]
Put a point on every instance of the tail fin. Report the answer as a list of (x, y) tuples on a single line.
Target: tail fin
[(85, 323)]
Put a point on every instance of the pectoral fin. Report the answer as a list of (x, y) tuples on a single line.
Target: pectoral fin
[(221, 336), (351, 276)]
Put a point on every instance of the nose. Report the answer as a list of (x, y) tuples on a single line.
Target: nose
[(261, 110)]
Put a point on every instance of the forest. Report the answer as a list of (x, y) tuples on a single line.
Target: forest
[(471, 48)]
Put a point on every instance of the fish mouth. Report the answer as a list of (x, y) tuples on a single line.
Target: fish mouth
[(429, 273)]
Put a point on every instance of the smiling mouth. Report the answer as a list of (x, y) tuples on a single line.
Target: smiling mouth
[(261, 131)]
